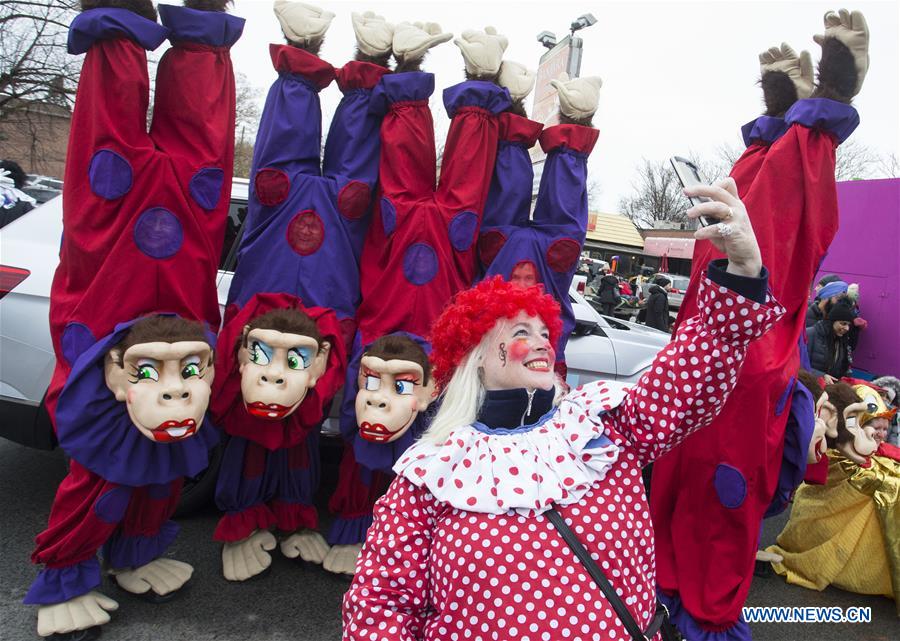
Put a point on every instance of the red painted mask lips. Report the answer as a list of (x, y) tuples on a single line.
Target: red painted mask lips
[(172, 431), (270, 411), (375, 432)]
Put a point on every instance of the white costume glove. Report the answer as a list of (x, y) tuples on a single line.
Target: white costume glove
[(309, 545), (517, 78), (341, 559), (160, 575), (851, 29), (482, 51), (374, 35), (301, 22), (244, 559), (413, 40), (578, 98), (798, 68), (80, 613)]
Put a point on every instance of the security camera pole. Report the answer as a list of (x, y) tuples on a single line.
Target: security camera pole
[(562, 56)]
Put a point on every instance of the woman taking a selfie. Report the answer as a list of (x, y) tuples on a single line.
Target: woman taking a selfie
[(462, 545)]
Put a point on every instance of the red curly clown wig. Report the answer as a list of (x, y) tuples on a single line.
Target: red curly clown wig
[(473, 313)]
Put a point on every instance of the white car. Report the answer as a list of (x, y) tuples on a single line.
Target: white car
[(600, 347)]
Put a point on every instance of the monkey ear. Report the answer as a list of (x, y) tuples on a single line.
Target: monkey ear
[(425, 395), (114, 374), (320, 363)]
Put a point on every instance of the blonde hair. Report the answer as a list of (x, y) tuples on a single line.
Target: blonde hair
[(462, 398)]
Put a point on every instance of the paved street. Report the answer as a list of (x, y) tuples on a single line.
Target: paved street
[(293, 601)]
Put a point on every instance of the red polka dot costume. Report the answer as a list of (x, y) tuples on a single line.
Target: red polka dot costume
[(458, 549)]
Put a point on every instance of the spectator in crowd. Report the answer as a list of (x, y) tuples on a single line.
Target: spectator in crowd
[(828, 343), (830, 278), (658, 305), (890, 391), (826, 297), (608, 292), (14, 203)]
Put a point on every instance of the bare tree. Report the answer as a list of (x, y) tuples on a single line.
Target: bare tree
[(37, 80), (657, 196), (246, 121), (594, 191), (856, 161), (888, 166)]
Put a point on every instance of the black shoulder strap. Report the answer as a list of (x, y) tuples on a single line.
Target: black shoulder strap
[(597, 575)]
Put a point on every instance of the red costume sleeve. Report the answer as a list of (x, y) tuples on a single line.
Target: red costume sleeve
[(389, 596)]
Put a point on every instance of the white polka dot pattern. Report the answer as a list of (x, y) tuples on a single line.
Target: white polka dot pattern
[(432, 571)]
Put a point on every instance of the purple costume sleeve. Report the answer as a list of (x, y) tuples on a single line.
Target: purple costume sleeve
[(236, 491), (837, 118), (509, 197), (765, 129), (204, 27), (124, 551), (57, 585), (108, 23), (797, 435)]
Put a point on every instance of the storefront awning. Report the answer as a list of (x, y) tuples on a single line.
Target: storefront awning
[(671, 247)]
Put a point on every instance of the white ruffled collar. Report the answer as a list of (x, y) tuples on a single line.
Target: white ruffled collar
[(527, 469)]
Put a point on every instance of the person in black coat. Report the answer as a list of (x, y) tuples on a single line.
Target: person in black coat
[(828, 343), (658, 305), (608, 293)]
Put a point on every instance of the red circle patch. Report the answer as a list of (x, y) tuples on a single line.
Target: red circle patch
[(306, 232), (489, 245), (272, 186), (353, 199), (563, 254)]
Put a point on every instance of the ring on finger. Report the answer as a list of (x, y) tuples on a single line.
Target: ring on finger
[(725, 230)]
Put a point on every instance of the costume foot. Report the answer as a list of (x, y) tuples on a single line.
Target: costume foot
[(845, 55), (143, 8), (413, 40), (578, 98), (304, 25), (207, 5), (374, 37), (482, 52), (768, 557), (341, 559), (786, 77), (518, 79), (157, 581), (76, 618), (244, 559), (88, 634), (309, 545)]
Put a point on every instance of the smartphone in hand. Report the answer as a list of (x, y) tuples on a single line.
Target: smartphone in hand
[(689, 175)]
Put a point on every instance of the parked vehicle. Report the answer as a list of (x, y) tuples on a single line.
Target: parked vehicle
[(678, 285), (600, 348)]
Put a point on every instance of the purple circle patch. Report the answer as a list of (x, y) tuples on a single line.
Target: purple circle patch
[(206, 187), (111, 506), (730, 484), (420, 264), (388, 216), (76, 339), (110, 174), (462, 230), (157, 233)]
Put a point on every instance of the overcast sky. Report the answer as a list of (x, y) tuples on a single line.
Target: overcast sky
[(679, 77)]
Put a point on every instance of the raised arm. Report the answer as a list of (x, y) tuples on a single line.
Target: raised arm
[(389, 596)]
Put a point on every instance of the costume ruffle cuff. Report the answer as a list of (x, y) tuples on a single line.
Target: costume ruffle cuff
[(237, 526), (837, 118), (393, 88), (213, 28), (764, 130), (691, 629), (109, 23), (733, 317), (518, 129), (577, 138), (57, 585), (525, 470), (290, 517), (347, 531), (133, 551), (476, 93), (291, 60), (359, 75)]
